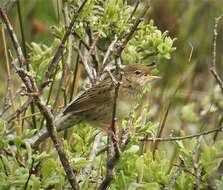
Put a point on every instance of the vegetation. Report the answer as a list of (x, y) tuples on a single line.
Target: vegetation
[(171, 141)]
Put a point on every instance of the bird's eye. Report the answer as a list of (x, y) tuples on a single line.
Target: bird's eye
[(138, 72)]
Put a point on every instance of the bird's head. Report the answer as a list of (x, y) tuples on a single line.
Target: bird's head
[(139, 74)]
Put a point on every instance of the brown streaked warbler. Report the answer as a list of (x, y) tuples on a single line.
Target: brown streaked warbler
[(95, 105)]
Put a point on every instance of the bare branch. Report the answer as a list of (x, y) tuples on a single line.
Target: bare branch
[(57, 144), (87, 68), (92, 155), (213, 67), (92, 52), (113, 161), (7, 4), (108, 53), (67, 62), (181, 138), (81, 40), (176, 175), (11, 32), (134, 10), (113, 151), (131, 32), (32, 89), (19, 110), (60, 49)]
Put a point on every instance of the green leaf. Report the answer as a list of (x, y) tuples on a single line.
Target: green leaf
[(48, 166)]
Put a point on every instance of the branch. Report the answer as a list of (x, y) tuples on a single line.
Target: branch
[(134, 10), (86, 66), (81, 40), (56, 57), (19, 110), (113, 152), (32, 89), (112, 162), (11, 32), (67, 62), (108, 53), (176, 175), (57, 143), (213, 67), (7, 5), (131, 32), (92, 155), (181, 138), (117, 41), (9, 92), (92, 52), (30, 174)]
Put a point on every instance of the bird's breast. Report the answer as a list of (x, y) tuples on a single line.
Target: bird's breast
[(125, 104)]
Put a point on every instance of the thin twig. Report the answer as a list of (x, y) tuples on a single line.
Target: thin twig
[(11, 32), (181, 138), (57, 143), (81, 40), (103, 149), (76, 76), (19, 110), (7, 4), (8, 70), (92, 155), (189, 172), (195, 153), (60, 49), (92, 52), (25, 54), (134, 10), (213, 67), (162, 124), (131, 32), (86, 66), (120, 43), (176, 175), (113, 161), (61, 86), (30, 174), (113, 151), (67, 62), (108, 53)]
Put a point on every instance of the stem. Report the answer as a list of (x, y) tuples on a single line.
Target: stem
[(181, 138), (74, 82), (8, 70), (25, 54)]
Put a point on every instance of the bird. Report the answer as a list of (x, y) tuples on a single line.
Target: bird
[(95, 105)]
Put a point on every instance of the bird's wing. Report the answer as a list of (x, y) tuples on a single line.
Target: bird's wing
[(91, 98)]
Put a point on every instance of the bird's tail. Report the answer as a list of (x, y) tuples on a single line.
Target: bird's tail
[(62, 122)]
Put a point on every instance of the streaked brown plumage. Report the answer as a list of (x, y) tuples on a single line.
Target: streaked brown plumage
[(95, 105)]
